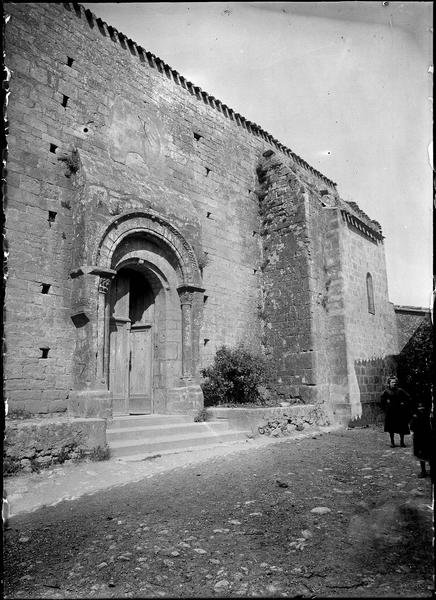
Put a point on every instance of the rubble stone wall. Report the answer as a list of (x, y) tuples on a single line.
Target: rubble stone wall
[(250, 419), (33, 444)]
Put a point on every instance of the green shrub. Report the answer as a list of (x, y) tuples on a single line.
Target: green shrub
[(235, 377)]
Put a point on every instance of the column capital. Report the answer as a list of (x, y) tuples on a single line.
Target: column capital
[(186, 293), (104, 284)]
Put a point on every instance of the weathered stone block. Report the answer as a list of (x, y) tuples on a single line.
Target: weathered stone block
[(90, 403), (44, 441)]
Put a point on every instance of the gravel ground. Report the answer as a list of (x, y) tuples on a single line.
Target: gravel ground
[(333, 515)]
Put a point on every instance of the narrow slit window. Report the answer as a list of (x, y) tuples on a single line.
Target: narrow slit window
[(206, 341), (45, 288), (65, 100), (205, 299), (370, 293), (44, 352), (207, 171)]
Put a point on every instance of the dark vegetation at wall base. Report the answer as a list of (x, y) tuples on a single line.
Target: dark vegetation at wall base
[(237, 376), (415, 364)]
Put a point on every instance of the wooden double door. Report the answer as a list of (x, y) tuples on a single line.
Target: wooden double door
[(131, 343)]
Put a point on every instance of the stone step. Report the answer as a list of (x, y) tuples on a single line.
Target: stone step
[(146, 456), (150, 431), (120, 421), (173, 442)]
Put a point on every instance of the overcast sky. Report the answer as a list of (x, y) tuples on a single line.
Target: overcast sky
[(345, 85)]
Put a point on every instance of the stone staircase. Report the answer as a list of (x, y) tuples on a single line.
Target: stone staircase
[(132, 437)]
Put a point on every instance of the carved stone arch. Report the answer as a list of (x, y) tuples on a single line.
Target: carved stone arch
[(144, 242), (155, 226)]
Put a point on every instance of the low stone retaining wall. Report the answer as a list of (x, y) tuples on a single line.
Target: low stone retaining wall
[(32, 444), (251, 419)]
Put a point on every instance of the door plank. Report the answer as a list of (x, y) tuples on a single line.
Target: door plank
[(119, 355), (140, 370)]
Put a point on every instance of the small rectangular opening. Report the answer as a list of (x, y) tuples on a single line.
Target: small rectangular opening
[(205, 299), (70, 61), (51, 216), (206, 341), (197, 136), (53, 148), (64, 100), (44, 352), (45, 288), (208, 215), (207, 171), (254, 271)]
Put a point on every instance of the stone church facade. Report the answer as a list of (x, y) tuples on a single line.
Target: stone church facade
[(148, 224)]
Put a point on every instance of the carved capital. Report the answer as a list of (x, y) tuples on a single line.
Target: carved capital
[(185, 297), (104, 285)]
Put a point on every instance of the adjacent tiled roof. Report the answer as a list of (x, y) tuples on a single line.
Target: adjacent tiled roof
[(411, 309)]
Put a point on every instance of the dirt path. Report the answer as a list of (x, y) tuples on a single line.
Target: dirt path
[(240, 525)]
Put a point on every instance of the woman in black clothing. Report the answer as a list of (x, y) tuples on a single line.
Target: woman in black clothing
[(397, 406), (422, 437)]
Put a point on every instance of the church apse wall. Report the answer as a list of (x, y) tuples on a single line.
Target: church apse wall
[(161, 220)]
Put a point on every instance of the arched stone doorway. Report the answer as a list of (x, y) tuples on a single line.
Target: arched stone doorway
[(151, 310), (143, 323), (137, 306)]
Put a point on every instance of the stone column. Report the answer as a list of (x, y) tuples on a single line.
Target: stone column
[(186, 305), (186, 295), (187, 397), (102, 328)]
